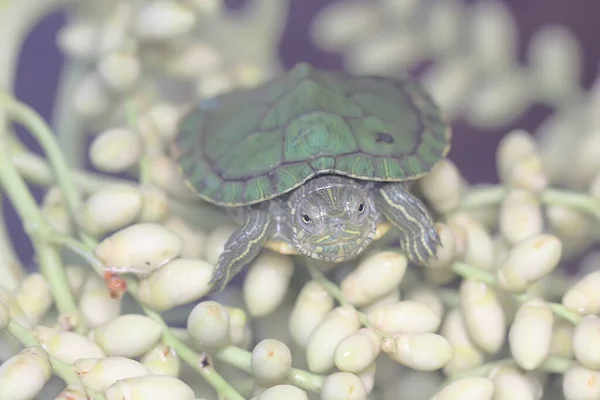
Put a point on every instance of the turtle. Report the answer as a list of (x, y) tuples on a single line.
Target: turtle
[(314, 162)]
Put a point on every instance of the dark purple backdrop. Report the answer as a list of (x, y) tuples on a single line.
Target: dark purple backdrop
[(40, 64)]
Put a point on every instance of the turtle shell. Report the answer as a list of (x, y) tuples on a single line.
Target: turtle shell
[(251, 145)]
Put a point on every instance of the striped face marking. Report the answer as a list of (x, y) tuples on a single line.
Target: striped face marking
[(332, 220)]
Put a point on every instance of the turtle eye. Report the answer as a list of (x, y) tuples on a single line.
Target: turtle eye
[(361, 208), (306, 218)]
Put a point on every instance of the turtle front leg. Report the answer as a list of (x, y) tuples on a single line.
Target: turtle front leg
[(241, 248), (418, 236)]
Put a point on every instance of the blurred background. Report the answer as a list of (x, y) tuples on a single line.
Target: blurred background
[(473, 147)]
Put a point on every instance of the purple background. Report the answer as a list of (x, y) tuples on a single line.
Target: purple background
[(40, 64)]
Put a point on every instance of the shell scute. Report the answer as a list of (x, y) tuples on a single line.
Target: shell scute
[(254, 144)]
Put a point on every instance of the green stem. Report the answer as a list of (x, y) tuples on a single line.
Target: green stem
[(34, 223), (21, 333), (66, 123), (11, 269), (26, 116), (36, 125), (84, 250), (470, 272), (241, 359), (578, 201), (483, 195), (486, 195)]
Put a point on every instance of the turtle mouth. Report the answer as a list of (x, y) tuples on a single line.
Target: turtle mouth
[(340, 241)]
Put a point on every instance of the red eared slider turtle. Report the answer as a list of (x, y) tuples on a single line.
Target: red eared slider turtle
[(314, 160)]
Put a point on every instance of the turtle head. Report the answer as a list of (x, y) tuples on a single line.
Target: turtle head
[(332, 219)]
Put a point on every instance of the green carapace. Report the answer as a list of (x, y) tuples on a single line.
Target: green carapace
[(315, 162)]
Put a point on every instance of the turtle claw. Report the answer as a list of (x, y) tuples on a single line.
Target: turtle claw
[(218, 280), (241, 248), (418, 237)]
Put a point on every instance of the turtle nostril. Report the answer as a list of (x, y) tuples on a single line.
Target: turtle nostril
[(337, 225)]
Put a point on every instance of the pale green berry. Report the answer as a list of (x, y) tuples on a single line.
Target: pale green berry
[(530, 260), (447, 251), (77, 277), (91, 98), (510, 384), (66, 345), (140, 248), (14, 309), (466, 354), (96, 303), (530, 335), (110, 208), (376, 275), (34, 297), (586, 342), (128, 335), (428, 295), (120, 70), (238, 326), (194, 239), (493, 35), (271, 362), (178, 282), (279, 392), (343, 386), (484, 315), (151, 387), (208, 324), (520, 216), (337, 325), (162, 119), (404, 316), (195, 60), (358, 351), (78, 39), (335, 28), (99, 374), (448, 81), (516, 150), (270, 270), (162, 360), (24, 375), (467, 389), (164, 173), (478, 245), (420, 351), (442, 187), (582, 297), (73, 392), (580, 383), (163, 20), (569, 223), (155, 205), (312, 304), (562, 339), (555, 51), (498, 100)]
